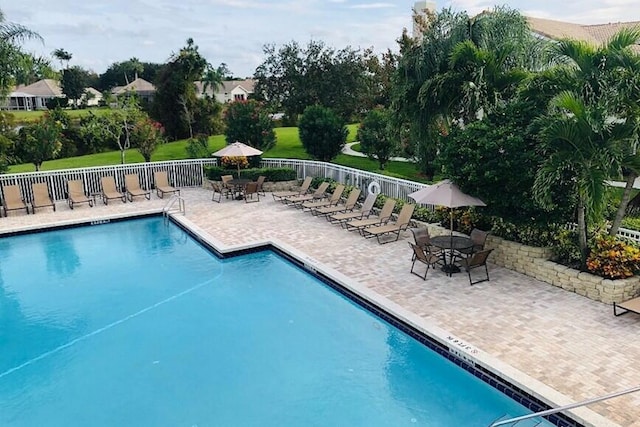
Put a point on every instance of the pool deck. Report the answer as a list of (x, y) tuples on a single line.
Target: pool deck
[(553, 342)]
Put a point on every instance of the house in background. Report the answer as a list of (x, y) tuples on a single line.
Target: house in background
[(229, 91), (91, 97), (595, 35), (34, 96), (144, 90)]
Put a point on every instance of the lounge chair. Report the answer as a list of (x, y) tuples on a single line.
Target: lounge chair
[(299, 200), (477, 260), (76, 194), (349, 205), (109, 191), (401, 224), (41, 197), (632, 305), (250, 190), (364, 212), (424, 256), (161, 181), (382, 218), (304, 188), (331, 201), (12, 199), (132, 185)]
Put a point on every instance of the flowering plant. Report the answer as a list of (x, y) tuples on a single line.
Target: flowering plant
[(239, 162), (613, 259)]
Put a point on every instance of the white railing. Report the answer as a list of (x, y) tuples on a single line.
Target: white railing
[(190, 173)]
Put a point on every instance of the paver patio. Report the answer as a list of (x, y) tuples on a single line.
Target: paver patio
[(568, 342)]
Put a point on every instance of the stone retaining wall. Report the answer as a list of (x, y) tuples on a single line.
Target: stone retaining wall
[(534, 262)]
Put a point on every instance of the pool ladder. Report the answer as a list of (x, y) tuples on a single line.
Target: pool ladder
[(170, 207), (516, 422)]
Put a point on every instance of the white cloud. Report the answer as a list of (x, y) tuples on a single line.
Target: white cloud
[(372, 6)]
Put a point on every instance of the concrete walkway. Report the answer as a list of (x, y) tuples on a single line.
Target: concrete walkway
[(535, 332), (349, 152)]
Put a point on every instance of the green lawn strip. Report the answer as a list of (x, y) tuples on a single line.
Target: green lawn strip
[(288, 147), (32, 116)]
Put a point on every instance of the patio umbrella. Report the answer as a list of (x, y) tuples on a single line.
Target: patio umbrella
[(237, 149), (445, 193)]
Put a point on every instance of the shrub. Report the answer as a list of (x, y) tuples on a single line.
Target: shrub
[(249, 122), (375, 137), (198, 147), (632, 223), (566, 250), (322, 133), (613, 259), (272, 174)]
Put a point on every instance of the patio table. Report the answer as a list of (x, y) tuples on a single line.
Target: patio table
[(238, 184), (451, 243)]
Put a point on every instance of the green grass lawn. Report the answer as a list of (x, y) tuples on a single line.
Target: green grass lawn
[(288, 146), (32, 116)]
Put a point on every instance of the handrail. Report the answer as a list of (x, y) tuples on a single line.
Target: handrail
[(167, 207), (566, 407)]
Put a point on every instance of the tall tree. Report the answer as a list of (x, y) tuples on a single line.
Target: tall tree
[(294, 77), (74, 83), (175, 97), (583, 147), (63, 56), (40, 141), (375, 137), (11, 35), (322, 132)]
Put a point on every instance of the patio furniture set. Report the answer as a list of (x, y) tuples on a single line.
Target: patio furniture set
[(237, 189)]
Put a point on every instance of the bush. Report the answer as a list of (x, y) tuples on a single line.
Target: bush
[(322, 133), (272, 174), (566, 250), (632, 223), (198, 147), (249, 122), (613, 259)]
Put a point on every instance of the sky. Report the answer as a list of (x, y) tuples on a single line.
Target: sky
[(100, 32)]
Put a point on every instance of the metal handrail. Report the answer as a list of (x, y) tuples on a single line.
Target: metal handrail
[(566, 407), (171, 202)]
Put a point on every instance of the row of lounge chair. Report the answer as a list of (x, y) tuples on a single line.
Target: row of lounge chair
[(369, 225), (41, 196)]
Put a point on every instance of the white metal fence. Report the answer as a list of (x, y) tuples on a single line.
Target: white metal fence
[(190, 173)]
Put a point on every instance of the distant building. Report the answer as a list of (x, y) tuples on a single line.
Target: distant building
[(421, 9), (91, 97), (32, 97), (230, 91), (144, 90), (596, 35)]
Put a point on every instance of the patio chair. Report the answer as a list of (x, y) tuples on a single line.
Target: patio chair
[(163, 187), (109, 190), (476, 260), (41, 197), (479, 238), (12, 199), (76, 194), (250, 190), (363, 212), (424, 256), (300, 199), (331, 201), (304, 188), (632, 305), (422, 238), (382, 218), (219, 190), (260, 182), (400, 224), (226, 185), (348, 206), (132, 186)]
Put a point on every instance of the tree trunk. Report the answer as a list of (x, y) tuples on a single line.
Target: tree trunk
[(122, 157), (622, 209), (582, 236)]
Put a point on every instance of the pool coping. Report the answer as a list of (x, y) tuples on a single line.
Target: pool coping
[(459, 349)]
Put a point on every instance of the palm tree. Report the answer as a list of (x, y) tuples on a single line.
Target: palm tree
[(62, 56), (584, 147), (212, 78), (14, 33)]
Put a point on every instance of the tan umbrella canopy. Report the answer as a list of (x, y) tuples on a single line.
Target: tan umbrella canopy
[(237, 149), (445, 193)]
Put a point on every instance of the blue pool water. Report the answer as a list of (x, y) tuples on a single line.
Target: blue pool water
[(135, 324)]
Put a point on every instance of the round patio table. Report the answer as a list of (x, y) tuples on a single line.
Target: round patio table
[(238, 184), (452, 243)]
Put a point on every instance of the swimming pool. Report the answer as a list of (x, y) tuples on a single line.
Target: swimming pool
[(135, 323)]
